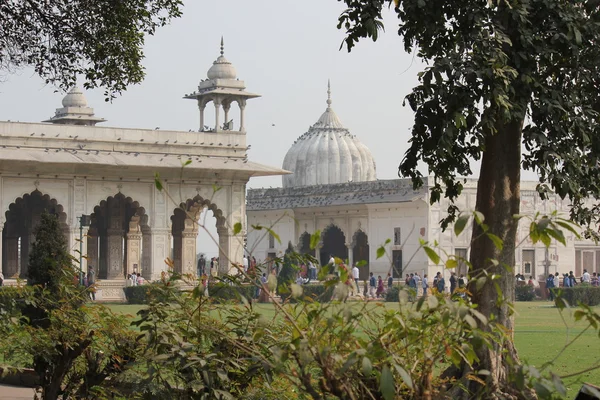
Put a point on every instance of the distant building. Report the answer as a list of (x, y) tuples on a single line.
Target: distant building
[(334, 189)]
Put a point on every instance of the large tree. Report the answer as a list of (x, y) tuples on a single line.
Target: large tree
[(101, 40), (515, 84)]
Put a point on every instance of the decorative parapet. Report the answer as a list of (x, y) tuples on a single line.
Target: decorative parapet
[(371, 192)]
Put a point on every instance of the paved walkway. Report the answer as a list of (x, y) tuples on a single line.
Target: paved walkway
[(15, 393)]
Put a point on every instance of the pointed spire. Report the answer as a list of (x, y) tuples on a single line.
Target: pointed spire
[(328, 95), (222, 46)]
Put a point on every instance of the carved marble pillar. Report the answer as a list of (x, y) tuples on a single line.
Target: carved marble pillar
[(188, 257), (201, 108), (224, 256), (177, 251), (217, 103), (226, 108), (103, 257), (11, 268), (134, 246), (115, 254), (146, 261), (92, 251), (242, 119), (350, 255), (160, 251)]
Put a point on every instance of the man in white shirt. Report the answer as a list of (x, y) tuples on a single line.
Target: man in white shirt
[(586, 276), (355, 274), (556, 280), (245, 263)]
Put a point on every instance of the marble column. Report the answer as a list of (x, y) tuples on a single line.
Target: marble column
[(159, 252), (217, 115), (146, 261), (350, 255), (188, 256), (92, 251), (242, 119), (134, 246), (226, 108), (115, 254), (201, 108), (224, 260), (11, 268), (177, 251), (103, 257)]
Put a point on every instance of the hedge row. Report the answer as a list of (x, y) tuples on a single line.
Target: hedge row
[(582, 293), (525, 293), (223, 293)]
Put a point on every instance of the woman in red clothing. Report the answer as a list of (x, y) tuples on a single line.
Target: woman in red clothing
[(380, 288)]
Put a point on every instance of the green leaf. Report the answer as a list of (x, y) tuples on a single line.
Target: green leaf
[(568, 226), (460, 224), (451, 263), (276, 236), (380, 252), (315, 238), (387, 387), (404, 375), (497, 241), (387, 241), (479, 218), (237, 228), (432, 255), (361, 263), (558, 235), (367, 367), (188, 162), (158, 182)]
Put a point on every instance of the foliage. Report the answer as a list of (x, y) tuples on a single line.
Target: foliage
[(524, 293), (581, 294), (142, 294), (222, 292), (101, 40), (312, 292), (49, 258), (72, 348)]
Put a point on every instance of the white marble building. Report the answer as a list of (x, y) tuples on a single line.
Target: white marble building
[(334, 189), (71, 167)]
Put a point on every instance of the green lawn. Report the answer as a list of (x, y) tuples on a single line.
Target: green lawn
[(540, 334)]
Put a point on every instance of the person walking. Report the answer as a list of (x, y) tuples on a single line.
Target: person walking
[(453, 283), (586, 278), (380, 287), (425, 285), (372, 285), (550, 286), (556, 280), (441, 283), (390, 281), (355, 274)]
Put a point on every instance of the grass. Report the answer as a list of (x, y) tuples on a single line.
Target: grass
[(540, 335)]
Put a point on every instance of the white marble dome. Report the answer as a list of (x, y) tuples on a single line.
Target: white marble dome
[(74, 98), (222, 69), (328, 154)]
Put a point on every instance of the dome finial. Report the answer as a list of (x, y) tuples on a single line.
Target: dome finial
[(328, 94), (222, 46)]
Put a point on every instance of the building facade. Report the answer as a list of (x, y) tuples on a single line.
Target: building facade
[(71, 167)]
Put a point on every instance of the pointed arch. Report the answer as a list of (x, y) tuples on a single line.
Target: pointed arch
[(333, 242), (22, 218)]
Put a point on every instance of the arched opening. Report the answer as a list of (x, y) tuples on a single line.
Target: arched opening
[(185, 237), (304, 245), (119, 239), (22, 217), (334, 244), (360, 252)]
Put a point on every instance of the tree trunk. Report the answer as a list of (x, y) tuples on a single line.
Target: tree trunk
[(498, 199)]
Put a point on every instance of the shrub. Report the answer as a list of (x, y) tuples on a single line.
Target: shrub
[(391, 295), (524, 293), (317, 292), (221, 292), (582, 293), (143, 294)]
